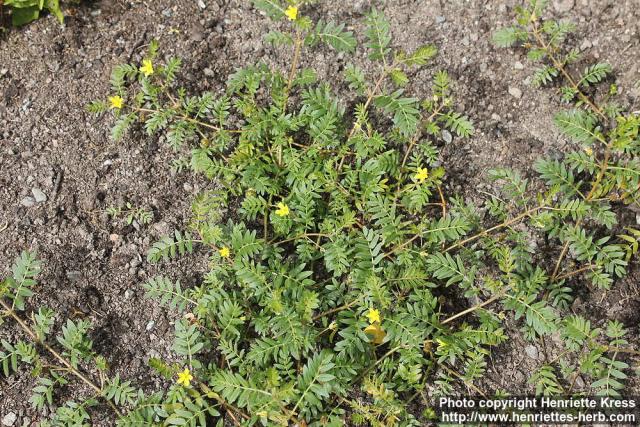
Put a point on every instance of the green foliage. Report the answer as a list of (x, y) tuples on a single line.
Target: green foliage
[(579, 125), (405, 111), (546, 382), (25, 11), (333, 35), (18, 287), (75, 341), (13, 354), (130, 213), (378, 35), (581, 190), (170, 247), (120, 392)]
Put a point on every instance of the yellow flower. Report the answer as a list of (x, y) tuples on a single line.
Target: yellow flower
[(116, 101), (185, 377), (147, 67), (421, 175), (292, 13), (588, 150), (373, 315), (225, 252), (283, 210), (375, 332)]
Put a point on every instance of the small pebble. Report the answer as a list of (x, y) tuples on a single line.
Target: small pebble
[(150, 325), (74, 276), (9, 419), (39, 195), (201, 4), (531, 351), (446, 135), (515, 92), (28, 202), (518, 65), (440, 19), (563, 5)]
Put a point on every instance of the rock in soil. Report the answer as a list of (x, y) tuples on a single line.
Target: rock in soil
[(9, 419)]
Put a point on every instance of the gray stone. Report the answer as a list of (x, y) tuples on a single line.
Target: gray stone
[(440, 19), (446, 135), (28, 202), (586, 44), (38, 195), (201, 4), (74, 275), (563, 5), (9, 419), (515, 92), (150, 325), (531, 351), (518, 65)]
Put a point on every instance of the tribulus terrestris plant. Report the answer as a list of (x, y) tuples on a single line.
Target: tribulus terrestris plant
[(332, 242)]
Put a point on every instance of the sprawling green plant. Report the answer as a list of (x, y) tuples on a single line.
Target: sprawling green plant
[(588, 186), (25, 11), (336, 260), (130, 213), (55, 359)]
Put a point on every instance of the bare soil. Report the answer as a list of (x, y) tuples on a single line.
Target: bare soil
[(94, 266)]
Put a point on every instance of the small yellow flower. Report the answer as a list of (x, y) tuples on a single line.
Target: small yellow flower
[(283, 210), (588, 150), (224, 252), (147, 67), (116, 101), (373, 315), (292, 13), (185, 377), (421, 175)]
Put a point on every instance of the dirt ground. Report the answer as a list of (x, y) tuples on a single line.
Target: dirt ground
[(94, 266)]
